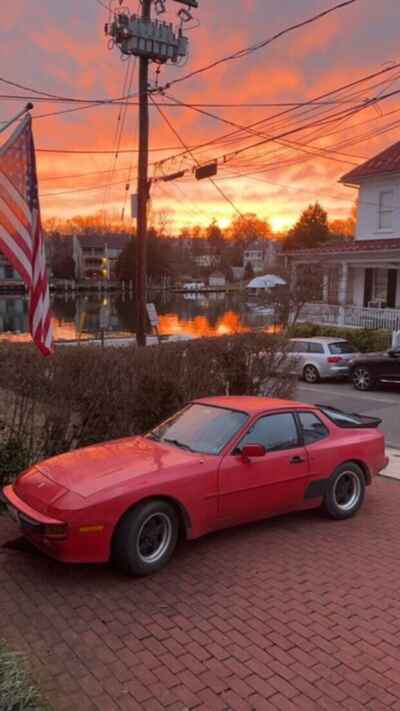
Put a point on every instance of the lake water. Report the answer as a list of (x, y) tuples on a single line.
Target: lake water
[(87, 315)]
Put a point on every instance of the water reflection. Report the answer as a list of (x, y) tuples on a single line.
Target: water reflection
[(87, 315)]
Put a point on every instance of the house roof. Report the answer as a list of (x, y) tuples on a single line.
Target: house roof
[(113, 241), (388, 161), (357, 246)]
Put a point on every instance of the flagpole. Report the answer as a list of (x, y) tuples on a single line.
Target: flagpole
[(27, 108)]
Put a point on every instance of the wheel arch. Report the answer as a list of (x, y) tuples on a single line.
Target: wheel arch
[(359, 463), (309, 364), (185, 523)]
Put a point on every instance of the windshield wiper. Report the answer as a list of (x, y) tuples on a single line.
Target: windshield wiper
[(177, 443), (153, 435)]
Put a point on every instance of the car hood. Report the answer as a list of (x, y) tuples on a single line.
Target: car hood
[(91, 469)]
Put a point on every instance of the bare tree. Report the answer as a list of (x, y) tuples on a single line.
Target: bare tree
[(302, 286)]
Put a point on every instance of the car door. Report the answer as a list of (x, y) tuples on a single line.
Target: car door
[(260, 487), (389, 369)]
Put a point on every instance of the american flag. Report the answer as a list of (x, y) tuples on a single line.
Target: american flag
[(21, 234)]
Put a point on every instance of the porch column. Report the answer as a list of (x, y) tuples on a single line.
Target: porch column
[(325, 288), (342, 295)]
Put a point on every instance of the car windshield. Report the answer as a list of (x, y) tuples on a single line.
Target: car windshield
[(341, 347), (200, 428)]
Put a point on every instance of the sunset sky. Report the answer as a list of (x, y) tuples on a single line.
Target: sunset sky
[(59, 47)]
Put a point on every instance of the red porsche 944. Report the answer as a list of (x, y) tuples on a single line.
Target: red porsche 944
[(219, 462)]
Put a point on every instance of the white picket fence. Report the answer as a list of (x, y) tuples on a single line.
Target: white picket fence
[(352, 316)]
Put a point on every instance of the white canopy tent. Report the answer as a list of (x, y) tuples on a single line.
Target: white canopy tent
[(267, 281)]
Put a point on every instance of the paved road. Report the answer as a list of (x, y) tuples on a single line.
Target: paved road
[(383, 403)]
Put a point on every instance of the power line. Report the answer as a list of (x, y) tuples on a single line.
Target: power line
[(345, 87), (259, 45), (169, 124)]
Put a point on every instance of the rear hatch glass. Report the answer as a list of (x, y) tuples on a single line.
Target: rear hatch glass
[(349, 419), (341, 348)]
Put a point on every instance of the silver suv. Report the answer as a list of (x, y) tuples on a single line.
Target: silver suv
[(317, 358)]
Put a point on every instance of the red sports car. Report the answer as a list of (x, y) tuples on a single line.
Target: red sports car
[(217, 463)]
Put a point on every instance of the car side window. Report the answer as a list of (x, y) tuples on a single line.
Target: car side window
[(315, 348), (299, 347), (312, 427), (275, 432)]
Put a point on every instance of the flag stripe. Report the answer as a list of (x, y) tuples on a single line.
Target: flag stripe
[(21, 234), (18, 201), (16, 231), (13, 207)]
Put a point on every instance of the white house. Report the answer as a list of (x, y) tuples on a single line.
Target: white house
[(361, 277), (260, 255), (217, 279)]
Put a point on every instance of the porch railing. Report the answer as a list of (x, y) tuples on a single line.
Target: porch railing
[(353, 316)]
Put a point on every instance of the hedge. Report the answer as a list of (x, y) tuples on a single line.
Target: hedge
[(87, 394), (364, 340)]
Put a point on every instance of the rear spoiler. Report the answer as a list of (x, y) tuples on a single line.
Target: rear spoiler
[(363, 421)]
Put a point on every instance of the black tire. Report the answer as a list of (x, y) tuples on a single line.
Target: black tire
[(146, 538), (311, 374), (345, 493), (362, 378)]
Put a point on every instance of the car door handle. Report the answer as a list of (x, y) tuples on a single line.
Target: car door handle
[(297, 460)]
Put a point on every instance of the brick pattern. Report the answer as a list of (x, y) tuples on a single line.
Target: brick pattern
[(294, 613)]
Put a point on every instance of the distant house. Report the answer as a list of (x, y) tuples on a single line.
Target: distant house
[(207, 260), (361, 277), (10, 280), (95, 256), (217, 279), (260, 255)]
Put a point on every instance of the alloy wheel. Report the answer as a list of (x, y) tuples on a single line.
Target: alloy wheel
[(311, 374), (362, 379), (347, 490), (154, 537)]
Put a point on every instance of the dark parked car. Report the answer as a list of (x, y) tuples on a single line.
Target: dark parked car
[(372, 368)]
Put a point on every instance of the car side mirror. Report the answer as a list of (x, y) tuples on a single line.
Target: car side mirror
[(253, 450)]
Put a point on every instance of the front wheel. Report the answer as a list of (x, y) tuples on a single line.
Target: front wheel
[(146, 538), (311, 374), (362, 378), (345, 493)]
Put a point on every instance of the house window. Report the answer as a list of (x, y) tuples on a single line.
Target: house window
[(386, 209), (379, 284)]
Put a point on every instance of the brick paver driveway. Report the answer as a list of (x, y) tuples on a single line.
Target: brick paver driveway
[(296, 613)]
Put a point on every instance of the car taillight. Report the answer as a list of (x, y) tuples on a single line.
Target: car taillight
[(334, 359), (56, 531)]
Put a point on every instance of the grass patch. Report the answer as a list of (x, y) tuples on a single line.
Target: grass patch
[(17, 693)]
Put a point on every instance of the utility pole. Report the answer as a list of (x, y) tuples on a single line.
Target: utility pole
[(151, 41), (142, 190)]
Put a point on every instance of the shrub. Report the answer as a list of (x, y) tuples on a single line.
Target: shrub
[(16, 690), (364, 340), (86, 394)]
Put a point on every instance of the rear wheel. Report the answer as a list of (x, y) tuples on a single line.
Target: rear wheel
[(345, 493), (362, 378), (311, 374), (146, 538)]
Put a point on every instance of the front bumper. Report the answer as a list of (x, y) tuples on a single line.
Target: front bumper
[(76, 546)]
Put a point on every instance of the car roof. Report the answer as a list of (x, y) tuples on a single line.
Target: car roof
[(320, 339), (252, 405)]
